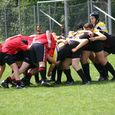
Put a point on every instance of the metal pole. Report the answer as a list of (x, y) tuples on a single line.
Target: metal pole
[(19, 16), (6, 34), (49, 18), (88, 10), (109, 19), (34, 11), (91, 5), (38, 14), (66, 17)]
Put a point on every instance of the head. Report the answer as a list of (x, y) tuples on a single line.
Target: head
[(94, 17), (89, 26), (80, 26), (38, 29)]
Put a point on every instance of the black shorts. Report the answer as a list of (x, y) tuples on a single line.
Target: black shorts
[(109, 45), (110, 50), (66, 52), (37, 53), (2, 61), (87, 47), (95, 46), (76, 54), (19, 56), (9, 59)]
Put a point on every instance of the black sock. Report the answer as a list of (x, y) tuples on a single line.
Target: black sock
[(18, 82), (102, 71), (43, 74), (86, 71), (53, 74), (68, 75), (8, 80), (82, 75), (28, 76), (36, 76), (26, 79), (59, 74), (110, 68)]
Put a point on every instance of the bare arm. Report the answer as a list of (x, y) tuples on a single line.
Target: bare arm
[(99, 37), (82, 42)]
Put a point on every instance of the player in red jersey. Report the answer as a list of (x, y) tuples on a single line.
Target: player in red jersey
[(10, 48), (41, 49)]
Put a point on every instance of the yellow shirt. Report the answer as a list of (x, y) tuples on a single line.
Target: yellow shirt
[(100, 26)]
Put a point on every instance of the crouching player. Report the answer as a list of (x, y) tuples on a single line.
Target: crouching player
[(10, 48), (41, 49)]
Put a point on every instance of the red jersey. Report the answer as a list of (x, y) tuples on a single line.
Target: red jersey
[(47, 40), (12, 46)]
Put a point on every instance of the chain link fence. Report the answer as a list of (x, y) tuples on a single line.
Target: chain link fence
[(23, 20)]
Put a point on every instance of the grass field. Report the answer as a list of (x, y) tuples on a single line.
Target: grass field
[(94, 99)]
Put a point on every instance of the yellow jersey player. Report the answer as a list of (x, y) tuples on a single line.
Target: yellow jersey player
[(98, 25)]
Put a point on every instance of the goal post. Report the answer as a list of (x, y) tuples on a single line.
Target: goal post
[(65, 12)]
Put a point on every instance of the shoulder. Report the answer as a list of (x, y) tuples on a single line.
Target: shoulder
[(101, 24)]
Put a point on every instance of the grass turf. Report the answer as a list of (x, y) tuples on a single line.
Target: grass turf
[(94, 99)]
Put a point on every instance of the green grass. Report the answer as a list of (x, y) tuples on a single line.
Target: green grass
[(94, 99)]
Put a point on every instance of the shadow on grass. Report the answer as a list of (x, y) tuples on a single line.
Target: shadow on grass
[(63, 84), (76, 83)]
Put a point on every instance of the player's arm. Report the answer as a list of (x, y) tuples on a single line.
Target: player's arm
[(99, 37), (82, 42)]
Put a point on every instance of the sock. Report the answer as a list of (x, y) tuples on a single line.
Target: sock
[(53, 74), (68, 75), (26, 79), (102, 71), (59, 74), (82, 75), (43, 73), (110, 68), (28, 76), (86, 71), (36, 76)]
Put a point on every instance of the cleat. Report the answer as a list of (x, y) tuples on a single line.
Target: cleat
[(102, 79), (18, 87), (25, 82), (57, 82), (86, 82), (4, 84), (69, 82), (45, 83)]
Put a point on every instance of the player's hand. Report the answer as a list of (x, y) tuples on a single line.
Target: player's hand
[(74, 50), (92, 39), (65, 42)]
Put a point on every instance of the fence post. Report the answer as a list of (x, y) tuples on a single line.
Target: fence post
[(38, 14), (66, 17), (109, 19), (6, 32), (88, 10), (49, 18), (34, 13), (19, 16)]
